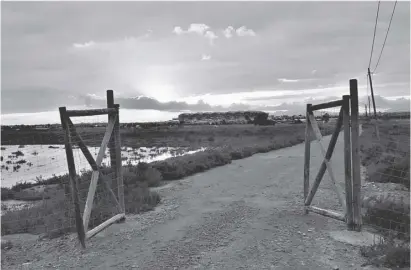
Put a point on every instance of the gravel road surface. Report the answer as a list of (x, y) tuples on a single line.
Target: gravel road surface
[(245, 215)]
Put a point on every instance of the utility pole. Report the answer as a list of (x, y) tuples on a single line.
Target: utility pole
[(377, 131), (365, 107), (372, 94), (369, 105)]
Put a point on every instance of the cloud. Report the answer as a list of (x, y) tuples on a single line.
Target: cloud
[(295, 107), (211, 36), (291, 39), (243, 32), (198, 28), (287, 80), (228, 32), (205, 57), (384, 104), (84, 45), (178, 30)]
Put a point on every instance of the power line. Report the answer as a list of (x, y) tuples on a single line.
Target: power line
[(386, 35), (375, 30)]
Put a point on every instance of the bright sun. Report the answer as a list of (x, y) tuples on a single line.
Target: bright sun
[(161, 92)]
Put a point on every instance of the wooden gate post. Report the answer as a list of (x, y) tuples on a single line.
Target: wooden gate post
[(307, 156), (111, 144), (347, 161), (119, 165), (115, 149), (356, 173), (72, 175)]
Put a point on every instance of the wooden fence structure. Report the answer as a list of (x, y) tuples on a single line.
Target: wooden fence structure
[(348, 121), (112, 139)]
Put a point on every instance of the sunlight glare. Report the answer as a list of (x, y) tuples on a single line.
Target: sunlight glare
[(160, 92)]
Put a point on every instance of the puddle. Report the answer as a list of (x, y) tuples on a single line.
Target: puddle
[(31, 162)]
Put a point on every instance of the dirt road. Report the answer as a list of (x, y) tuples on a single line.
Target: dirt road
[(246, 215)]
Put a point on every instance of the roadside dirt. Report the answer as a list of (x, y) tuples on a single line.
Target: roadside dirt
[(245, 215)]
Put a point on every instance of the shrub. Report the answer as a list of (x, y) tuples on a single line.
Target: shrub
[(388, 211), (387, 254), (18, 153), (183, 166), (143, 172), (236, 154), (397, 173), (7, 194), (54, 217)]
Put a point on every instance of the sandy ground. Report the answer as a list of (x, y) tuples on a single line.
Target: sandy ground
[(245, 215)]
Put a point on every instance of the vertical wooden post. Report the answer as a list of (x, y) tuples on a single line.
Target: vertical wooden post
[(119, 165), (72, 175), (307, 156), (111, 144), (347, 161), (356, 173)]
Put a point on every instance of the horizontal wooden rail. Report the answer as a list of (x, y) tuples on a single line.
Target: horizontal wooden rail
[(75, 113), (327, 105), (325, 212)]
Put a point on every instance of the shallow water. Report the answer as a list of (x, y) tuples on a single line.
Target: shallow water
[(44, 161)]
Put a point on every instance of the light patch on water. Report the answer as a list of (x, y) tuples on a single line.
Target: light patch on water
[(14, 205), (44, 161)]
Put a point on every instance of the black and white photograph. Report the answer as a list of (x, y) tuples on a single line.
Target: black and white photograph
[(205, 135)]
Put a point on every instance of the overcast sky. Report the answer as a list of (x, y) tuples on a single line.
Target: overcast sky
[(252, 54)]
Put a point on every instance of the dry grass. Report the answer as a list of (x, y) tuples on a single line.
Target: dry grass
[(388, 211), (387, 254), (387, 160), (54, 216)]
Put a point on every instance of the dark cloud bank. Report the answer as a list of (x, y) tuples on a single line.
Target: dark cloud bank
[(146, 103)]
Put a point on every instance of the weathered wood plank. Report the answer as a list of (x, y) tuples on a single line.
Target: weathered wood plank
[(326, 164), (347, 161), (356, 173), (119, 166), (82, 146), (104, 225), (90, 198), (72, 176), (95, 174), (315, 128), (78, 113), (327, 105), (307, 155), (93, 164), (111, 118), (325, 212)]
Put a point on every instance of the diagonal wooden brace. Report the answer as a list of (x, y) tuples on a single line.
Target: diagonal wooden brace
[(96, 170), (326, 164)]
